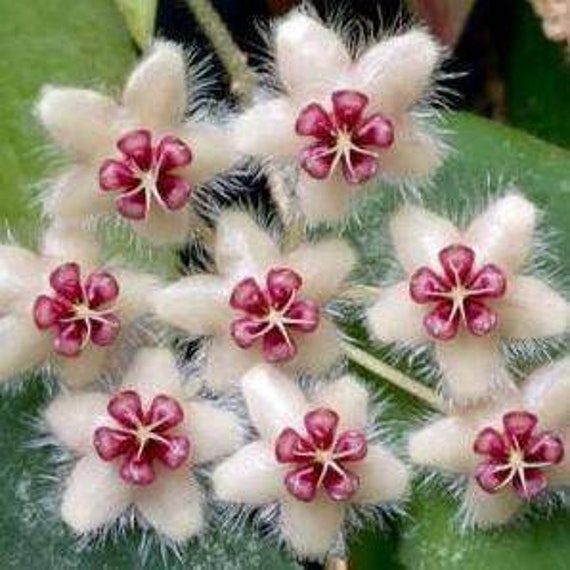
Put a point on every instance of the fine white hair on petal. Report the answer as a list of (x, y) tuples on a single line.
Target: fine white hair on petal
[(213, 432), (135, 292), (445, 443), (485, 510), (71, 241), (72, 418), (395, 316), (172, 504), (323, 200), (309, 56), (155, 92), (396, 72), (318, 351), (274, 401), (199, 304), (78, 120), (311, 528), (383, 477), (85, 369), (503, 234), (547, 393), (418, 236), (532, 309), (268, 129), (164, 227), (471, 366), (154, 371), (22, 346), (324, 267), (94, 495), (20, 270), (349, 399), (251, 475), (243, 248)]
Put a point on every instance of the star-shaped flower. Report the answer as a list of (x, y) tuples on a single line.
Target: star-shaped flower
[(344, 120), (314, 457), (465, 292), (263, 304), (511, 451), (62, 307), (139, 447), (138, 158)]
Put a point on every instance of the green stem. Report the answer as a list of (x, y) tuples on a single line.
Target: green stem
[(392, 375), (242, 78)]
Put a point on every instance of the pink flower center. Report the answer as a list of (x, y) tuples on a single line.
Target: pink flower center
[(320, 457), (459, 293), (345, 136), (78, 312), (147, 173), (141, 437), (517, 456), (272, 314)]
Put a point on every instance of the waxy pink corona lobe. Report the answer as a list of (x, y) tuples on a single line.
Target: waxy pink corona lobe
[(320, 456), (271, 314), (142, 437), (345, 136), (146, 173), (79, 311), (459, 293), (518, 456)]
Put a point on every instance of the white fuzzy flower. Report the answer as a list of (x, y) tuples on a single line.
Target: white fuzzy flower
[(344, 120), (138, 157), (262, 304), (511, 451), (465, 293), (313, 457), (139, 447), (62, 307)]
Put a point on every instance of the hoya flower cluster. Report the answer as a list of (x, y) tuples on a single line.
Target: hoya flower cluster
[(269, 418)]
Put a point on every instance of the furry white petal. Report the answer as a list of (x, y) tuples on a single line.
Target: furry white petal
[(547, 392), (20, 270), (503, 233), (21, 345), (94, 495), (532, 309), (327, 201), (153, 371), (319, 350), (85, 369), (397, 71), (273, 400), (213, 432), (414, 153), (445, 443), (199, 304), (395, 317), (69, 241), (471, 366), (78, 120), (164, 227), (486, 510), (268, 129), (135, 291), (242, 248), (383, 477), (311, 528), (309, 56), (324, 267), (251, 475), (173, 504), (419, 235), (73, 418), (226, 362), (156, 92), (349, 399)]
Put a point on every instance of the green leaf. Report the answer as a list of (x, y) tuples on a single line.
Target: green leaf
[(483, 151), (140, 16), (60, 41)]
